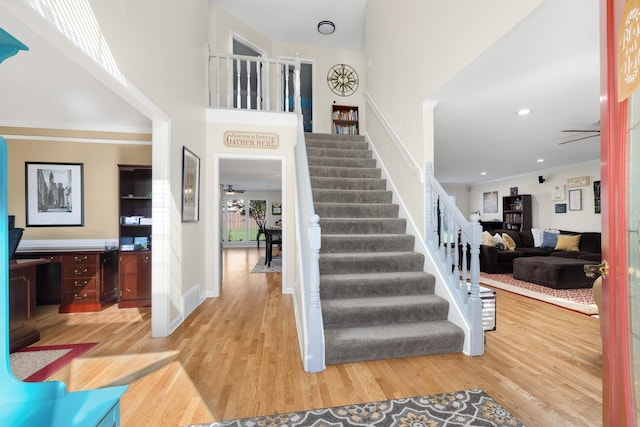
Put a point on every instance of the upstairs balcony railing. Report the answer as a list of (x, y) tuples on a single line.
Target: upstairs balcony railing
[(252, 82)]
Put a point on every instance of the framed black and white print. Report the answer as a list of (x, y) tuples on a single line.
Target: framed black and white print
[(54, 194), (190, 186)]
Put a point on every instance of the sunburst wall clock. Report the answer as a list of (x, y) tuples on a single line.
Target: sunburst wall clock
[(342, 80)]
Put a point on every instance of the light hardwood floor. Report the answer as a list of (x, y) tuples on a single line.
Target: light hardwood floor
[(238, 356)]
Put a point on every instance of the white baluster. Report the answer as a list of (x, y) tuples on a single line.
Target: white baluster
[(238, 98), (258, 88), (267, 86), (218, 81), (286, 87), (248, 97), (229, 82)]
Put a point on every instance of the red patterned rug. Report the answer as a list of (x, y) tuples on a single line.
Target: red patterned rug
[(34, 364), (580, 300)]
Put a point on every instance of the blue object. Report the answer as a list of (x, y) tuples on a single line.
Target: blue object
[(48, 403), (9, 45), (549, 240)]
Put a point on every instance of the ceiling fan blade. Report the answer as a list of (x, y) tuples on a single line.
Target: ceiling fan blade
[(581, 130), (578, 139)]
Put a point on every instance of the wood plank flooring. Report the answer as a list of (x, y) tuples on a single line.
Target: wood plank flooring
[(238, 356)]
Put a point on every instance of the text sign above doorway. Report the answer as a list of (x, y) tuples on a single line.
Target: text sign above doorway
[(239, 139)]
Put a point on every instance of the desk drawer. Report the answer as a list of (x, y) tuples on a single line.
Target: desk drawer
[(76, 301), (81, 259), (79, 284), (78, 271)]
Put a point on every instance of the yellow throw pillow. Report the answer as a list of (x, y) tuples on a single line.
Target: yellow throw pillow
[(568, 243), (508, 242), (487, 239)]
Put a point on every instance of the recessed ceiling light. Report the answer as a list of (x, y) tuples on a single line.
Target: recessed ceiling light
[(524, 112), (483, 173), (540, 160)]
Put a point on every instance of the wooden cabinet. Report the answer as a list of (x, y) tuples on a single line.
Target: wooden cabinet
[(135, 279), (78, 279), (516, 212), (344, 120), (135, 185), (22, 303)]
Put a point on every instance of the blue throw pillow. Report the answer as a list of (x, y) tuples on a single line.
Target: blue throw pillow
[(549, 240)]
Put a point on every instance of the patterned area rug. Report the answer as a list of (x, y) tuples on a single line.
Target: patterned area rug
[(580, 300), (34, 364), (462, 408), (261, 267)]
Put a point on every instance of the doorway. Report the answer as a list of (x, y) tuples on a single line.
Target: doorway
[(258, 193)]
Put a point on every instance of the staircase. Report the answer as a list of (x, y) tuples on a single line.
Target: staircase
[(377, 302)]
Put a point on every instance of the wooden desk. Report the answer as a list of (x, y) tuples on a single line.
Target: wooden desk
[(78, 279), (22, 302)]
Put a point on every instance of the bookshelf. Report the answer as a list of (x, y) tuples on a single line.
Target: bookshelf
[(345, 120), (135, 236), (516, 212)]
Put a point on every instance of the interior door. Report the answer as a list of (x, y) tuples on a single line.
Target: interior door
[(620, 157)]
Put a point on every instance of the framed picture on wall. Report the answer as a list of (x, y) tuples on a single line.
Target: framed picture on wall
[(54, 194), (575, 200), (276, 208), (490, 202), (190, 186), (561, 208)]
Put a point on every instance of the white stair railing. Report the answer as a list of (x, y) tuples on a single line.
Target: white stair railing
[(246, 82), (308, 251), (456, 243)]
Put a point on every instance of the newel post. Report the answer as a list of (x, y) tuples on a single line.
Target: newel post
[(475, 303)]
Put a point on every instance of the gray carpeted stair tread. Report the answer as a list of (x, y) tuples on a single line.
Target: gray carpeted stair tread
[(392, 341), (348, 183), (341, 162), (351, 153), (364, 285), (338, 143), (351, 196), (363, 225), (379, 310), (332, 137), (340, 263), (344, 172), (356, 210), (340, 243)]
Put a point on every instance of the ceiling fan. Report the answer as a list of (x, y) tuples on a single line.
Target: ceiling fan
[(230, 190), (594, 132)]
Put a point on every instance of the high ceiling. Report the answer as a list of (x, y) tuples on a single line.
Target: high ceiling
[(549, 63)]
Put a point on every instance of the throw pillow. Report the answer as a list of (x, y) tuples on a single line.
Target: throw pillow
[(498, 238), (538, 234), (508, 242), (549, 239), (568, 243), (487, 239)]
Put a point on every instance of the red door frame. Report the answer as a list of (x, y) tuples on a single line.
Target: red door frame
[(618, 400)]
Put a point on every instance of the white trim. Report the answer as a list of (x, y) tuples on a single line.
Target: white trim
[(50, 244), (216, 212), (414, 167), (191, 300), (83, 139), (74, 126), (259, 118)]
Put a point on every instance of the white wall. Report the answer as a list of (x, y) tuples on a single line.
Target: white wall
[(543, 213), (159, 45), (411, 51), (285, 126)]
